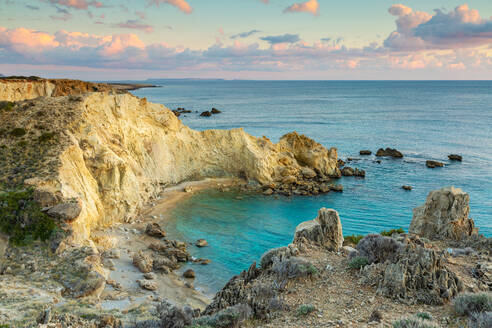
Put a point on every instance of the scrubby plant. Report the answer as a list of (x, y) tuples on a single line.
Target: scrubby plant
[(378, 249), (18, 132), (414, 322), (6, 106), (481, 320), (305, 309), (353, 239), (22, 219), (424, 316), (293, 267), (389, 233), (358, 262), (22, 143), (469, 303), (46, 136), (230, 317)]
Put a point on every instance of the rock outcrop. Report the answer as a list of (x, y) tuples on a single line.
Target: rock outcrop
[(389, 152), (113, 152), (18, 89), (324, 230), (444, 215)]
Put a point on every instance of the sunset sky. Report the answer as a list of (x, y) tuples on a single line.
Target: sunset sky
[(247, 39)]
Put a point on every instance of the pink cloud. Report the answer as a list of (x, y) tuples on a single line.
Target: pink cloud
[(180, 4), (136, 25), (77, 4), (310, 6)]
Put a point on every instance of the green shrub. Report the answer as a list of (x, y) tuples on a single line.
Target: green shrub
[(469, 303), (6, 106), (18, 132), (22, 143), (391, 232), (354, 239), (22, 219), (229, 317), (305, 309), (424, 316), (480, 320), (46, 136), (358, 262), (414, 322)]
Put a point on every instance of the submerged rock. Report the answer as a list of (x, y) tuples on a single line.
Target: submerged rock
[(433, 164), (206, 114), (454, 157), (189, 274), (325, 230), (406, 187), (389, 152), (347, 171), (365, 152), (215, 111), (444, 215), (201, 243)]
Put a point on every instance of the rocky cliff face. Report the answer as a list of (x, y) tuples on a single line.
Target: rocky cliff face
[(30, 88), (107, 154), (444, 215)]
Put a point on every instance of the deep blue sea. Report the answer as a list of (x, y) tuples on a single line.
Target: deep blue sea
[(424, 120)]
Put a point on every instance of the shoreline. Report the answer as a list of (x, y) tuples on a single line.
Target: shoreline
[(132, 86)]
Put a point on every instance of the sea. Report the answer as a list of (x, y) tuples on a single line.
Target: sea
[(425, 120)]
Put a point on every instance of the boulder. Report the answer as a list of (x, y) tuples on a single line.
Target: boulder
[(325, 230), (143, 261), (359, 173), (67, 212), (444, 216), (433, 164), (347, 171), (389, 152), (340, 163), (454, 157), (189, 274), (201, 243), (206, 114), (406, 187), (308, 173), (365, 152), (215, 111), (154, 230), (336, 188), (147, 284)]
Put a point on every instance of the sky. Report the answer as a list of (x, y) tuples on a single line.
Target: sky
[(247, 39)]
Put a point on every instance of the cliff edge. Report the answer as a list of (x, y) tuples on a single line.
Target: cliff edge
[(97, 158)]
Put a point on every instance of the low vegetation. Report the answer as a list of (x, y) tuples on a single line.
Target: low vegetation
[(18, 132), (353, 239), (470, 303), (414, 322), (305, 309), (389, 233), (358, 262), (6, 106), (481, 320), (22, 219), (46, 136)]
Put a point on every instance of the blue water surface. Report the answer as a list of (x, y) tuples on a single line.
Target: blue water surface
[(424, 120)]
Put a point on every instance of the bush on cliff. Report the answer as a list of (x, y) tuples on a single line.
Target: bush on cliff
[(358, 262), (22, 219), (414, 322), (6, 106), (378, 249), (481, 320), (389, 233), (353, 239), (470, 303)]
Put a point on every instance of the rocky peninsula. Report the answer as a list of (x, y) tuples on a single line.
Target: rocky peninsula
[(87, 170)]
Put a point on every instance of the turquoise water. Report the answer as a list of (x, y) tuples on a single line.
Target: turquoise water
[(424, 120)]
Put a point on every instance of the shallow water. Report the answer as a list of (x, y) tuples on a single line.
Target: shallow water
[(424, 120)]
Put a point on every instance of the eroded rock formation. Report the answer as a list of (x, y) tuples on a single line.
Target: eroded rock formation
[(324, 230), (112, 152), (444, 215)]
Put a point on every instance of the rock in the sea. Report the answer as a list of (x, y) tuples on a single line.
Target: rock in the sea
[(150, 276), (365, 152), (336, 188), (325, 230), (189, 274), (143, 261), (389, 152), (433, 164), (215, 111), (455, 157), (206, 114), (444, 215), (201, 243), (268, 192), (340, 163), (347, 171), (147, 284), (67, 212), (360, 173), (406, 187), (155, 230)]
